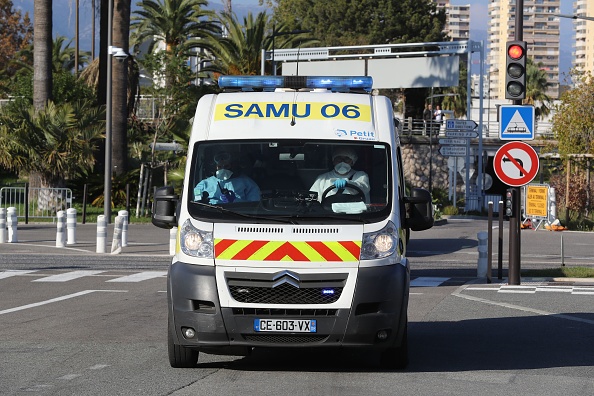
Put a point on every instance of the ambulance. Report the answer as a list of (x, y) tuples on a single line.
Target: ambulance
[(263, 260)]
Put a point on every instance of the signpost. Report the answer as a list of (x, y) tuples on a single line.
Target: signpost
[(516, 163), (452, 141), (537, 201), (461, 134), (453, 151), (461, 125)]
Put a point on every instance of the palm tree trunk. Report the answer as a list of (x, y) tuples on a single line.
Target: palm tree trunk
[(42, 54), (121, 33)]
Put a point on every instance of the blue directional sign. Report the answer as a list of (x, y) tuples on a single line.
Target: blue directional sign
[(516, 122)]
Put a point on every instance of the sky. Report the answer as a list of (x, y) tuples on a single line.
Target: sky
[(64, 21)]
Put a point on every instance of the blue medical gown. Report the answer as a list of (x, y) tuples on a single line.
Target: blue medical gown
[(244, 189)]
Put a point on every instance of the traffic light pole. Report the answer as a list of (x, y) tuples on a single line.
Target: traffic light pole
[(515, 221)]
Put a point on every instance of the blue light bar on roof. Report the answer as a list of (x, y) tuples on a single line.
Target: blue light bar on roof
[(269, 83)]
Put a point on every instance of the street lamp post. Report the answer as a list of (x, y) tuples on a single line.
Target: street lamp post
[(107, 175)]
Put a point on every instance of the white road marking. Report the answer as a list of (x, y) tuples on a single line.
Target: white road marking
[(9, 273), (98, 366), (53, 300), (139, 277), (69, 377), (458, 293), (427, 281), (68, 276)]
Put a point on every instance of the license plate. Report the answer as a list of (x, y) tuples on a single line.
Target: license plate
[(286, 325)]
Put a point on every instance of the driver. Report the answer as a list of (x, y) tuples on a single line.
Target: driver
[(225, 186), (343, 158)]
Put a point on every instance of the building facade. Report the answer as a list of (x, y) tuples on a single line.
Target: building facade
[(583, 35), (540, 31)]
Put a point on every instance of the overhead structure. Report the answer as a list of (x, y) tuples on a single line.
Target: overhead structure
[(419, 65)]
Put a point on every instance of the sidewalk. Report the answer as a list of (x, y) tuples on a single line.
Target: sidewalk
[(143, 240)]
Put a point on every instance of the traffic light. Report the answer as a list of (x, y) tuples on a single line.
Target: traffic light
[(509, 202), (515, 70)]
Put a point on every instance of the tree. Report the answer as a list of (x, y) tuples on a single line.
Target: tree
[(536, 86), (179, 24), (15, 35), (458, 102), (239, 51), (363, 22), (42, 54), (573, 121), (56, 142), (119, 109)]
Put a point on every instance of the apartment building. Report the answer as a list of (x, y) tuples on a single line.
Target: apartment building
[(540, 31), (583, 35), (457, 20)]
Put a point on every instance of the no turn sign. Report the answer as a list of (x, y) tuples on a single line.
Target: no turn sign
[(516, 163)]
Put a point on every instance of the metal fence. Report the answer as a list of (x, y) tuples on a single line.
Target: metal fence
[(36, 202), (418, 127)]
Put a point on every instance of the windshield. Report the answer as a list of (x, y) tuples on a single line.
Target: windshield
[(295, 181)]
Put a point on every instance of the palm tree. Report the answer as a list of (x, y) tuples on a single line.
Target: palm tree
[(119, 125), (240, 49), (536, 86), (56, 142), (42, 39), (179, 24), (63, 55)]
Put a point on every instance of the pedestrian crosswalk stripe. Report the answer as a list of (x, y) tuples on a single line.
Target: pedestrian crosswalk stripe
[(428, 281), (68, 276), (9, 273), (139, 277)]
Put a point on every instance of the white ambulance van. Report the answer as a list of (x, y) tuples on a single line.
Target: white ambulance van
[(292, 222)]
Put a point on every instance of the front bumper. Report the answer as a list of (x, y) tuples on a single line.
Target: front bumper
[(380, 302)]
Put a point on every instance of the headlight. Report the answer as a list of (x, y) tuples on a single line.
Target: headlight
[(380, 244), (195, 242)]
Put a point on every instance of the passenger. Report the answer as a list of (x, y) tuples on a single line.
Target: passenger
[(225, 186), (343, 158)]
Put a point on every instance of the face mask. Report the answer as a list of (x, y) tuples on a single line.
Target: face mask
[(223, 174), (342, 168)]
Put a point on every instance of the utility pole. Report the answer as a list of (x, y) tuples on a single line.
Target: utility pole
[(515, 236)]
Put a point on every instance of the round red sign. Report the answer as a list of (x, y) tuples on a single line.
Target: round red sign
[(516, 163)]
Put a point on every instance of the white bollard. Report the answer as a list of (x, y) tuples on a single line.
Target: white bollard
[(101, 234), (124, 214), (60, 236), (482, 251), (2, 225), (12, 223), (172, 240), (116, 244), (71, 226)]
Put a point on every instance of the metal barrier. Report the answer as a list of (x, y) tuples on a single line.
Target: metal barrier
[(41, 202)]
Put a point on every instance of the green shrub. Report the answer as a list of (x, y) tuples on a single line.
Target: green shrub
[(450, 210)]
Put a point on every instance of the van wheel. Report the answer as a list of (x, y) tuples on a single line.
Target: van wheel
[(180, 356), (396, 358)]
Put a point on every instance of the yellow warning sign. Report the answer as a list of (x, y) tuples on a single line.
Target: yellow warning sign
[(537, 201)]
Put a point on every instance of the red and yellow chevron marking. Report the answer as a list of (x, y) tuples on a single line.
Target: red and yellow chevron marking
[(232, 249)]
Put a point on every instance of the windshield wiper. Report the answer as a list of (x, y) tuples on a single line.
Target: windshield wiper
[(243, 215)]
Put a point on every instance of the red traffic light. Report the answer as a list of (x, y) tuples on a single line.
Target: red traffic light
[(515, 51)]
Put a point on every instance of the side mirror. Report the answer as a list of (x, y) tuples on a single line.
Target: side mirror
[(164, 206), (419, 210)]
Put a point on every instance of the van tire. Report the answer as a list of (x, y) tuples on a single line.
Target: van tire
[(180, 356), (396, 358)]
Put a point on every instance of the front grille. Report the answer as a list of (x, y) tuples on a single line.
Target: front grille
[(284, 339), (263, 312), (284, 294), (285, 287)]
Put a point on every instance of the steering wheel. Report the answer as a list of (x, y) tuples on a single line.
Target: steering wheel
[(341, 195)]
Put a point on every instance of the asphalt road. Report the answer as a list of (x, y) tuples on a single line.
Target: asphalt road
[(74, 322)]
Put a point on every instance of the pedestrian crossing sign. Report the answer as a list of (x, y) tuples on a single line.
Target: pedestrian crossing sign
[(516, 122)]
